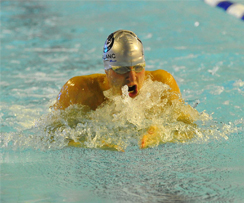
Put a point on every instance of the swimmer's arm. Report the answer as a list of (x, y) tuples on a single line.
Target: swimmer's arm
[(174, 96), (186, 115), (71, 93), (166, 78), (153, 138), (83, 90)]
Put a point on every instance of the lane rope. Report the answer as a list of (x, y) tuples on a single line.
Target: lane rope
[(231, 8)]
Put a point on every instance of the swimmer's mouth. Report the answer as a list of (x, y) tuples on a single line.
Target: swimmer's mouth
[(132, 91)]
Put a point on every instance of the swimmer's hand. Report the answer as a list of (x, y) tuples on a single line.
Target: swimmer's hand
[(153, 138), (150, 139)]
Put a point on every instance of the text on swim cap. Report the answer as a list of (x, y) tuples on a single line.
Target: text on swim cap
[(112, 56)]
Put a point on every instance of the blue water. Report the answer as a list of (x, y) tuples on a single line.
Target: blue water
[(43, 44)]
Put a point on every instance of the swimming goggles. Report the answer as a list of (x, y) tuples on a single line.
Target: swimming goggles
[(125, 69)]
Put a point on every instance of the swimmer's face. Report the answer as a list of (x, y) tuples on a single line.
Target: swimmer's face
[(134, 80)]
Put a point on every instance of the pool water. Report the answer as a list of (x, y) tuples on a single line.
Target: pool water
[(43, 44)]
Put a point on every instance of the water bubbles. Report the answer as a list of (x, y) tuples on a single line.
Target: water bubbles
[(121, 122), (196, 103), (239, 83), (217, 90), (148, 36), (214, 71), (125, 93), (226, 102)]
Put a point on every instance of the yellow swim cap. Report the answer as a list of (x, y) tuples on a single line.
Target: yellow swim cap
[(123, 48)]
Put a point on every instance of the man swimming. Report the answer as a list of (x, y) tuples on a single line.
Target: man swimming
[(124, 64)]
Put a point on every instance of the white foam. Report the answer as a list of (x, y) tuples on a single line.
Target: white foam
[(239, 83), (10, 47), (4, 83), (179, 68), (91, 50), (24, 116), (239, 121), (180, 48), (190, 56), (216, 90), (148, 36), (15, 61), (7, 31), (226, 102), (120, 121), (147, 48), (214, 70)]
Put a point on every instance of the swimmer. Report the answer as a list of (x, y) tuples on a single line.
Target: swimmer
[(124, 64)]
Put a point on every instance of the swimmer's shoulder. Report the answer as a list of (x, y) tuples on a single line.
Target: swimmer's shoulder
[(82, 90), (164, 77), (96, 81), (159, 75)]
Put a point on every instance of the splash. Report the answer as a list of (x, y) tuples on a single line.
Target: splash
[(145, 121)]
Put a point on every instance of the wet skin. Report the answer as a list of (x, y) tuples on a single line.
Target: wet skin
[(88, 89), (134, 80)]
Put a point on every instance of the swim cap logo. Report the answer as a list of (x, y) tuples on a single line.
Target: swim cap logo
[(109, 43), (110, 56)]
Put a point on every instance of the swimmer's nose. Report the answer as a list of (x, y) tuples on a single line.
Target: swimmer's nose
[(132, 75)]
